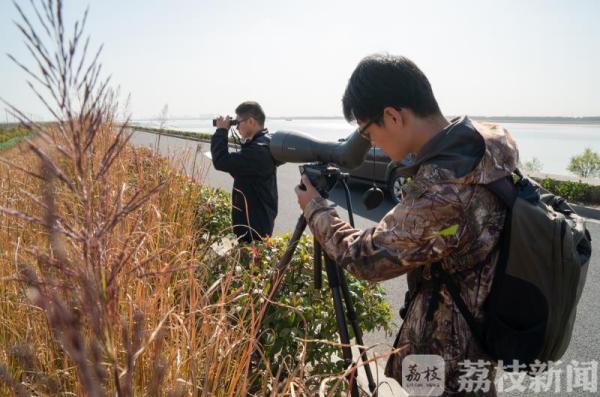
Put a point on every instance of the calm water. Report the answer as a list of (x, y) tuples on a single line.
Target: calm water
[(552, 144)]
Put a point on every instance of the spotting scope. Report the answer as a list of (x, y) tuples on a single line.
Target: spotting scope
[(297, 147)]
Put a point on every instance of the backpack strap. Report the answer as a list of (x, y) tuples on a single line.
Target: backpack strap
[(414, 280), (440, 274), (434, 299), (506, 190)]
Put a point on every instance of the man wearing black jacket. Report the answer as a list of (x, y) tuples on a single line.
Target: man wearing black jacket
[(254, 195)]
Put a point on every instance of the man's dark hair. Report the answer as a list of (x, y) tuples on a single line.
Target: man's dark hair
[(380, 81), (251, 109)]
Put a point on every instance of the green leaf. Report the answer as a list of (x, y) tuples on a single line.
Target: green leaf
[(449, 231)]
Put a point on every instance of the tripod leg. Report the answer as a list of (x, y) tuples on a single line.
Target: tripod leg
[(293, 243), (334, 284), (317, 264), (287, 257), (353, 317), (277, 277)]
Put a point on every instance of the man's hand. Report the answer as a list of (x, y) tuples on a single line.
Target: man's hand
[(307, 194), (223, 122)]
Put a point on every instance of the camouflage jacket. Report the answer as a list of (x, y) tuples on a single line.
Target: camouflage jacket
[(445, 216)]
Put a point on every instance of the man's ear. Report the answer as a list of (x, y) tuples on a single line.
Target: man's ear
[(253, 124), (393, 116)]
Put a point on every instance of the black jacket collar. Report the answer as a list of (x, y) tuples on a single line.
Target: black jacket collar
[(260, 133)]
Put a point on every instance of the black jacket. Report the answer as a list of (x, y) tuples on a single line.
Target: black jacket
[(254, 172)]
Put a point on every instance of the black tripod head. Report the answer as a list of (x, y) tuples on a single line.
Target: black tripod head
[(322, 176)]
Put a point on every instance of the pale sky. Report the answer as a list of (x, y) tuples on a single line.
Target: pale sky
[(491, 58)]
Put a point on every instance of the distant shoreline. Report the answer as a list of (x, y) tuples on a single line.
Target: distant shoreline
[(540, 120), (497, 119)]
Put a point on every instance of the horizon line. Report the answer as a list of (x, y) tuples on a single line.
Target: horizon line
[(206, 116)]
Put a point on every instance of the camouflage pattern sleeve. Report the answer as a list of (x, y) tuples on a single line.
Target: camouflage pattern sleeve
[(421, 229)]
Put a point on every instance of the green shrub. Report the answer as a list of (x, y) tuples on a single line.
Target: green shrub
[(572, 191), (11, 136), (214, 213), (300, 312), (586, 164), (531, 166)]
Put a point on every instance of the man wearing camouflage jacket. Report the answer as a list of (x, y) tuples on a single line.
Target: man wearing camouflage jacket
[(446, 216)]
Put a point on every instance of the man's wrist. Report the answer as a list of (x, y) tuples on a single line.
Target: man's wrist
[(315, 205)]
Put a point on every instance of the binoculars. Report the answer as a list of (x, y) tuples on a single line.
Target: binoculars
[(231, 122)]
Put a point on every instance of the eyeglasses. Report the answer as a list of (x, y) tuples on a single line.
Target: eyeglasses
[(242, 120), (363, 131)]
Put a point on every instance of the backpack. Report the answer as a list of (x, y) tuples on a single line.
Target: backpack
[(545, 251)]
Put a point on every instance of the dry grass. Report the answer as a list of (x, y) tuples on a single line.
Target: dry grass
[(105, 286), (131, 308)]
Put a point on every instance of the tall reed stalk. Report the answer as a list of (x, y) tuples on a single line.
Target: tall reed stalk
[(106, 286)]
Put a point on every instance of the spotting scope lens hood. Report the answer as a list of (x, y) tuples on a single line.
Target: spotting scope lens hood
[(297, 147)]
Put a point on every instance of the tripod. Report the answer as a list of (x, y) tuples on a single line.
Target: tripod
[(324, 178)]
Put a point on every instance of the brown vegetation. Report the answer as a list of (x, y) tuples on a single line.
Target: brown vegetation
[(104, 281), (107, 257)]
